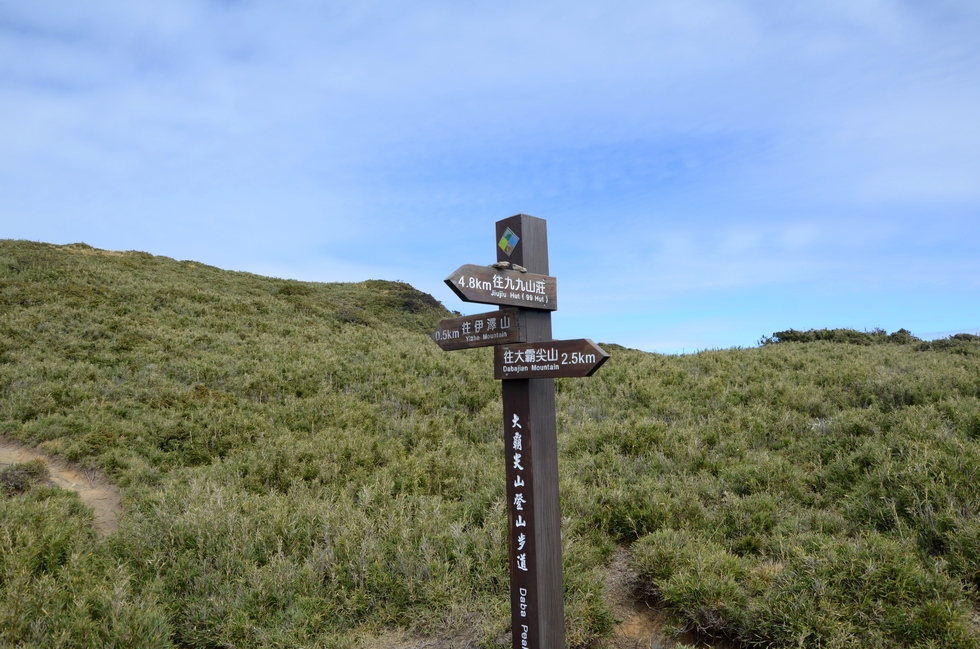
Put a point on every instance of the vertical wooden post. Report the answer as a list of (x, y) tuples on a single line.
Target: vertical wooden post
[(531, 453)]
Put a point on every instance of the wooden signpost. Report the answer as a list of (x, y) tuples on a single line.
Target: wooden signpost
[(489, 285), (528, 361), (551, 360), (503, 326)]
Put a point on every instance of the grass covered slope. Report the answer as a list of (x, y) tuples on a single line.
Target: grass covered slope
[(793, 495), (303, 466), (299, 459)]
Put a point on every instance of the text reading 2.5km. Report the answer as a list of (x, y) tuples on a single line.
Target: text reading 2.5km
[(576, 358), (547, 360)]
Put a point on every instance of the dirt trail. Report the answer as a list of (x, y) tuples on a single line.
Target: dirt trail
[(640, 625), (92, 487)]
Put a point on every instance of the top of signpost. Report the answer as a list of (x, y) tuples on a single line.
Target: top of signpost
[(523, 240)]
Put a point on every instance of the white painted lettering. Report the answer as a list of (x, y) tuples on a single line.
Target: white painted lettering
[(519, 502), (522, 561)]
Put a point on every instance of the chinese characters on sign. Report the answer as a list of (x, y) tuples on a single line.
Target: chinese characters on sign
[(488, 285), (518, 501), (521, 518), (552, 359), (494, 328), (527, 359)]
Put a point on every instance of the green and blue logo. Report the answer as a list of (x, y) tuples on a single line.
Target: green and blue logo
[(508, 242)]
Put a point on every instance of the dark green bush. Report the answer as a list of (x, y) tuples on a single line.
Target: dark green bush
[(851, 336), (20, 477)]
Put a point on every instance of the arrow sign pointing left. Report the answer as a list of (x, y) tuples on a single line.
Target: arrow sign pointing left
[(481, 330), (548, 360), (488, 285)]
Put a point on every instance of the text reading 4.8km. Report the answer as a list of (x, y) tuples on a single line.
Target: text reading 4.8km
[(474, 283), (488, 285)]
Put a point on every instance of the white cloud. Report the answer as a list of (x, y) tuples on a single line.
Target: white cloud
[(686, 146)]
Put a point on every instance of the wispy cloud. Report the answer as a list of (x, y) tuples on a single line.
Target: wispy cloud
[(682, 148)]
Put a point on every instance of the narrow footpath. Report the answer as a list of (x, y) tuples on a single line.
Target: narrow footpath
[(92, 487)]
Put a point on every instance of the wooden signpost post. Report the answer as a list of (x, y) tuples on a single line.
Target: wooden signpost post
[(528, 361)]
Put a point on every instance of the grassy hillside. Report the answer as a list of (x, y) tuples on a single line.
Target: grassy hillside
[(302, 466)]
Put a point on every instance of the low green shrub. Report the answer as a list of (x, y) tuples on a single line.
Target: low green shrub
[(302, 466), (20, 477), (851, 336), (60, 587)]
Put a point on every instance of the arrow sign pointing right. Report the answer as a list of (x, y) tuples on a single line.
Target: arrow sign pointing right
[(548, 360), (487, 285)]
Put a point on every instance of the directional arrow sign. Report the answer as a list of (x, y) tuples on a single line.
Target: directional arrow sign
[(488, 285), (481, 330), (547, 360)]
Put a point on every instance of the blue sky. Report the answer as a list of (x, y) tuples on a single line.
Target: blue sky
[(711, 172)]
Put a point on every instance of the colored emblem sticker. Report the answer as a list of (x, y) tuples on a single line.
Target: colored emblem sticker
[(508, 242)]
